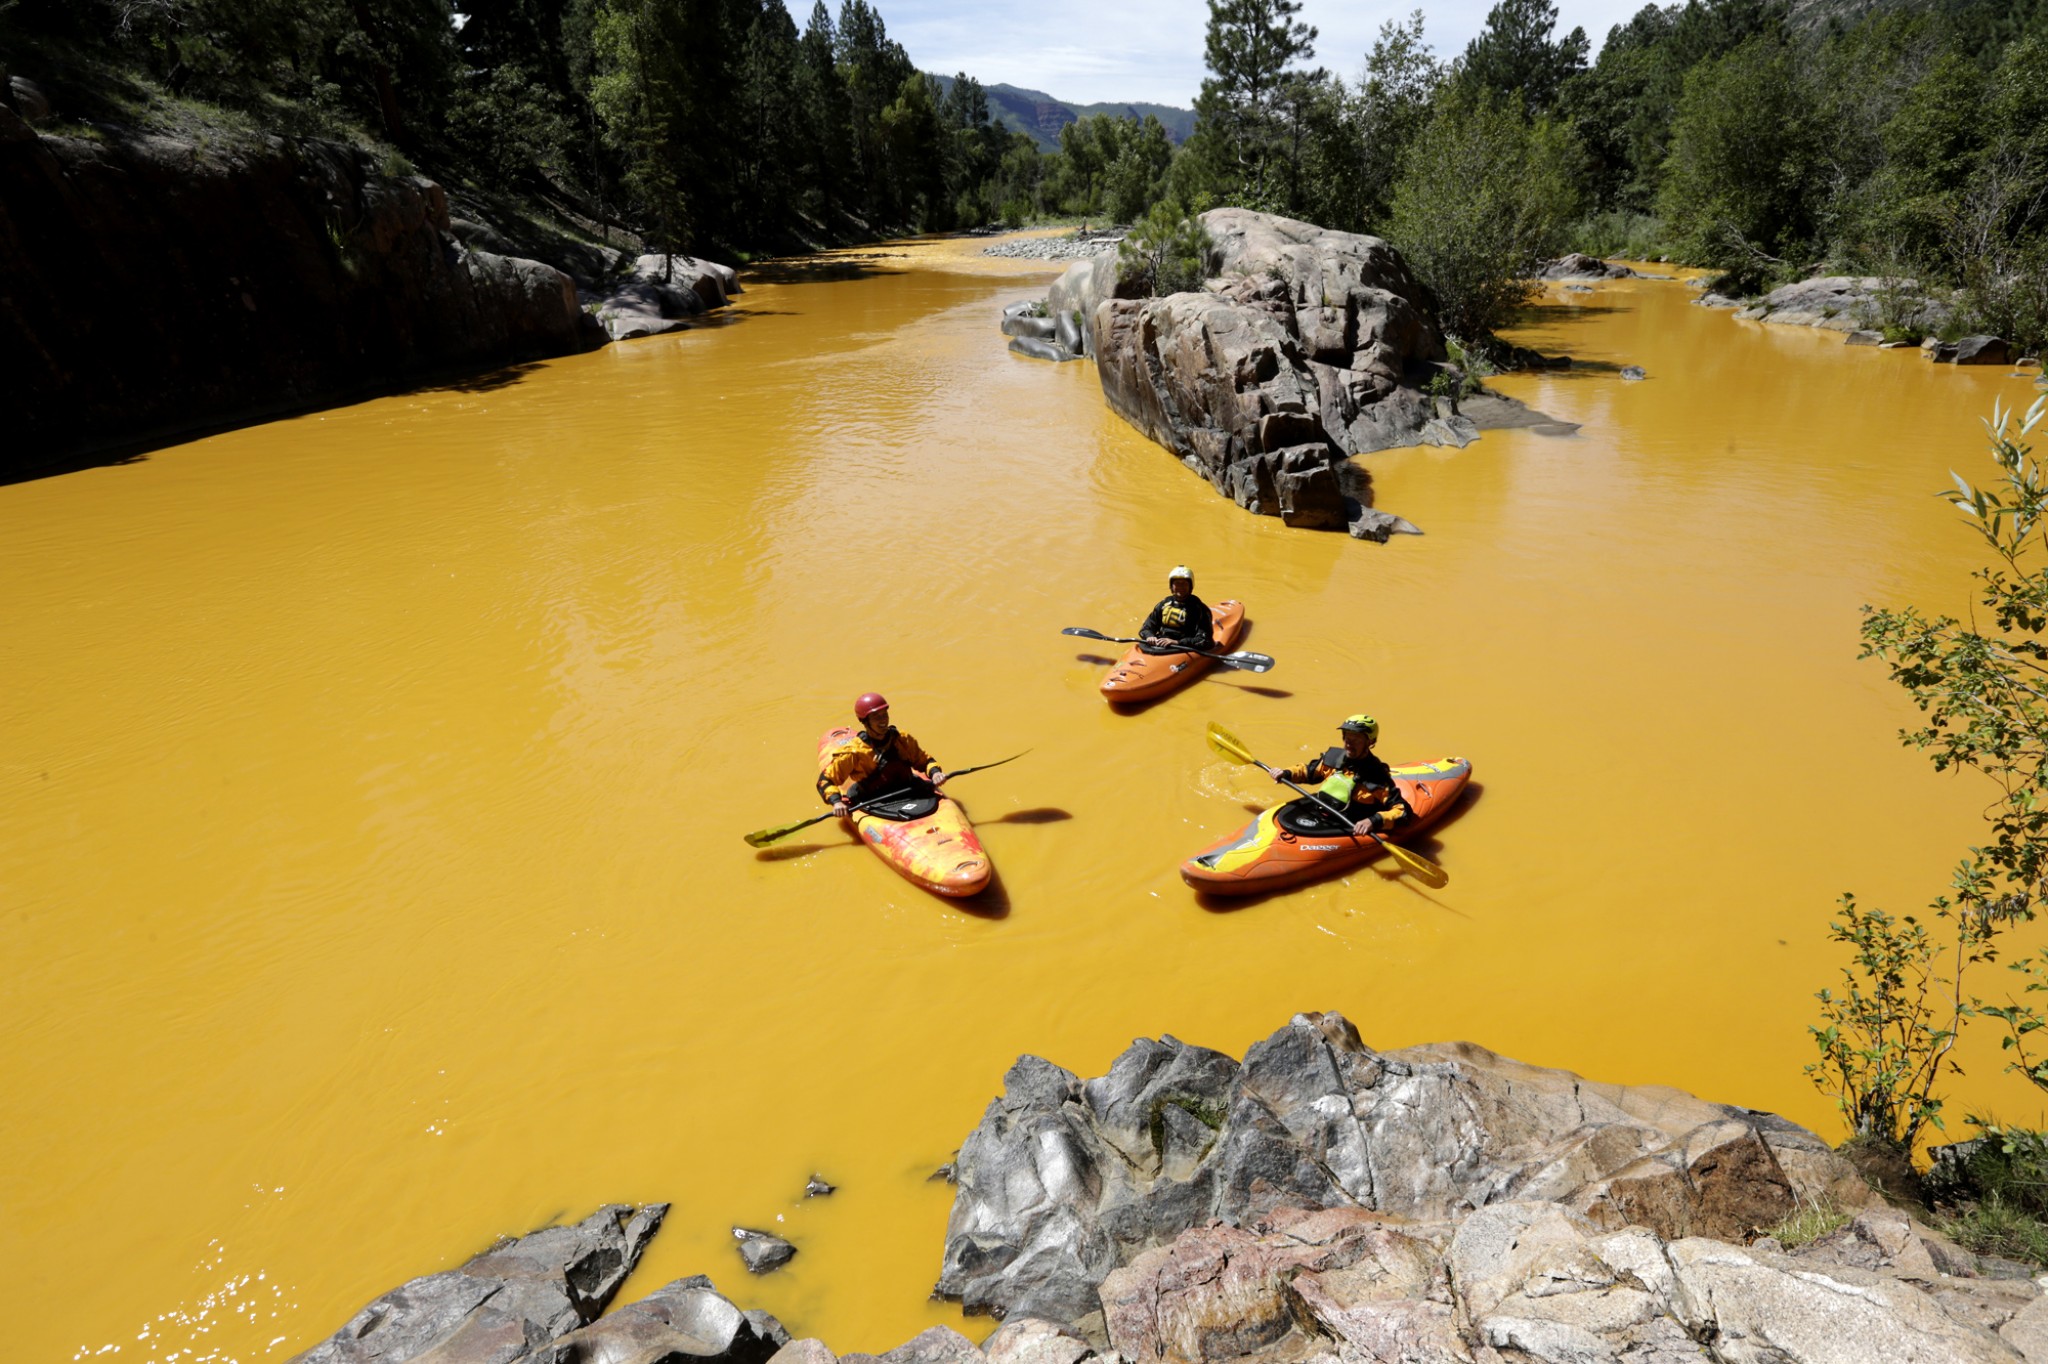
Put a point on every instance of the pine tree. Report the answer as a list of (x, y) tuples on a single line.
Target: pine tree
[(1513, 54), (1252, 50)]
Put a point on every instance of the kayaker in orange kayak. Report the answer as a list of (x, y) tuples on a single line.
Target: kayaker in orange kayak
[(1355, 778), (1180, 622), (879, 758)]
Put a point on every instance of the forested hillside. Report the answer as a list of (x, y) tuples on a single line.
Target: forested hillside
[(1767, 138)]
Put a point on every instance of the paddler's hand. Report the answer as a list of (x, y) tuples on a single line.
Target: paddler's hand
[(1276, 774), (839, 806), (1363, 829), (937, 778)]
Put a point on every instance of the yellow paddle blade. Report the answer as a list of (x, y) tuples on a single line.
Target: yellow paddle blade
[(1229, 745), (1424, 870), (761, 838)]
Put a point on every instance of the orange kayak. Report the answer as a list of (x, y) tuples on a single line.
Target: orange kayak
[(924, 836), (1139, 676), (1301, 841)]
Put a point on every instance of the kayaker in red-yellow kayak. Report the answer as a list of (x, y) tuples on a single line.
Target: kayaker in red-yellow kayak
[(883, 783), (878, 758), (1355, 779)]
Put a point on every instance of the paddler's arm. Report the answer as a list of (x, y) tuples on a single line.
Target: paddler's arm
[(1391, 815), (1149, 631), (838, 783), (912, 752), (1200, 634), (1301, 774)]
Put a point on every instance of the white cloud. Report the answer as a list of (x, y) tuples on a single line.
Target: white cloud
[(1100, 51)]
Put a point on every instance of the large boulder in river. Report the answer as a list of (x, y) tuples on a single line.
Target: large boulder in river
[(1065, 1180), (504, 1304), (1306, 346), (1578, 265), (660, 294)]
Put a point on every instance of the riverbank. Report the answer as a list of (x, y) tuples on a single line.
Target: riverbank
[(1437, 1205)]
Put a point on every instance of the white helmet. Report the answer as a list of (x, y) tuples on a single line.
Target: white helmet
[(1181, 571)]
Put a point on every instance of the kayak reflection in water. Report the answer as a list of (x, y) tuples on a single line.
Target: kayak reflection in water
[(1180, 622), (878, 760), (1355, 778)]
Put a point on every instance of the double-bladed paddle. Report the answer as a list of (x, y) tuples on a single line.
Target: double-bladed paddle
[(1230, 746), (1243, 658), (761, 838)]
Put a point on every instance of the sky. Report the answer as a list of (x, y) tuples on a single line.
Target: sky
[(1150, 51)]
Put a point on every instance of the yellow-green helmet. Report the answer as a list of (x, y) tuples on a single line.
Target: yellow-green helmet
[(1362, 724)]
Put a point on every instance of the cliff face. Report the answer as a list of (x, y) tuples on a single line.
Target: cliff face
[(150, 286)]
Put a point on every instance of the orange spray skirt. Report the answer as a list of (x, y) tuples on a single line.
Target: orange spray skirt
[(938, 851), (1139, 676), (1266, 855)]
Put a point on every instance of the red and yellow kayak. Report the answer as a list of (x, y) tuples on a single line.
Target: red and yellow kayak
[(1288, 844), (925, 837), (1139, 676)]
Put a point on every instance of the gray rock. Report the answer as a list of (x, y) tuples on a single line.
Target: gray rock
[(1368, 524), (1033, 1340), (1521, 1281), (763, 1251), (806, 1351), (1579, 266), (1633, 373), (660, 293), (28, 99), (688, 1320), (1864, 337), (819, 1187), (935, 1345), (1713, 300), (1305, 339), (1983, 350), (1064, 1182), (505, 1303), (1041, 350), (1847, 303), (1038, 328)]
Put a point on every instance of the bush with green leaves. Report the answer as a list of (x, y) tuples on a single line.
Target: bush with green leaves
[(1483, 198), (1168, 251), (1886, 1040)]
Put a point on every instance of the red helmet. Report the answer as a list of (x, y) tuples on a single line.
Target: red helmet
[(868, 704)]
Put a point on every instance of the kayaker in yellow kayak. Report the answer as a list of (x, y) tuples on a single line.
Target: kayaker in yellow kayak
[(878, 759), (1181, 621), (1354, 778)]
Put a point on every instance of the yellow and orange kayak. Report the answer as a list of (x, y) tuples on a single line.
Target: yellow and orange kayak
[(1302, 841), (1139, 676), (924, 836)]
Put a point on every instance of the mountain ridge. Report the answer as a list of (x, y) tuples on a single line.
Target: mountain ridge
[(1042, 115)]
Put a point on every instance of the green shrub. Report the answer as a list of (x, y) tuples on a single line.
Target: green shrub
[(1994, 1199)]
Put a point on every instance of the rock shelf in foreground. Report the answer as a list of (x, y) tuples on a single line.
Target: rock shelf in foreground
[(1317, 1203)]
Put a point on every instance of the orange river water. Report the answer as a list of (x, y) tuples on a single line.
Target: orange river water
[(372, 783)]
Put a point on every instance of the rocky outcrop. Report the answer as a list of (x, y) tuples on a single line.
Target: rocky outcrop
[(661, 293), (1843, 303), (1577, 265), (1066, 1181), (153, 286), (1304, 347), (510, 1303), (1528, 1281)]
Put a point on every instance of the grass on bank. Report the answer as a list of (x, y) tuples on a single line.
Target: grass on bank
[(1990, 1195)]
